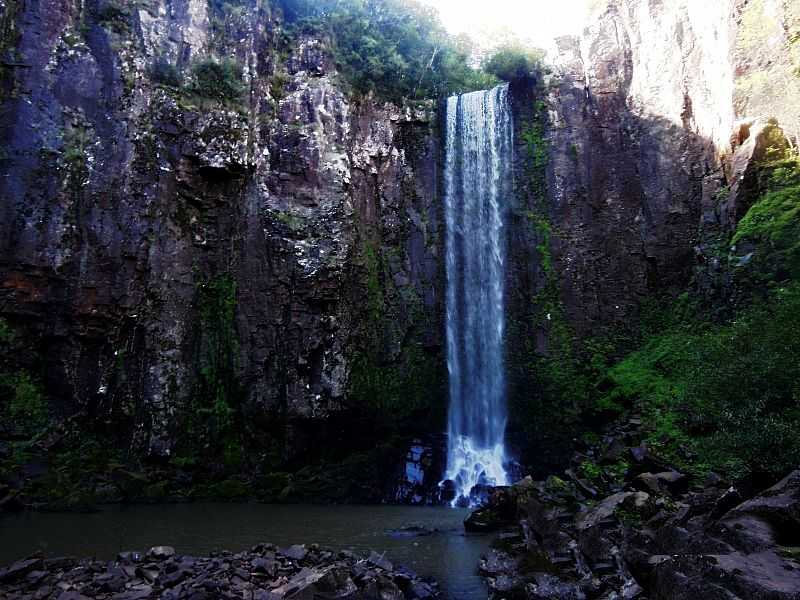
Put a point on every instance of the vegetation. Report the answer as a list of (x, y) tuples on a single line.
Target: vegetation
[(219, 80), (514, 61), (393, 48), (216, 418), (720, 396), (165, 73), (26, 406), (726, 395), (771, 228)]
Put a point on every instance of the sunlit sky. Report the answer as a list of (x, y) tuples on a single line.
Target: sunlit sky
[(536, 20)]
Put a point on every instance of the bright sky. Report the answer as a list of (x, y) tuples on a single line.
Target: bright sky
[(537, 20)]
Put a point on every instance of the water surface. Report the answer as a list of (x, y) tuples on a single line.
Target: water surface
[(449, 555)]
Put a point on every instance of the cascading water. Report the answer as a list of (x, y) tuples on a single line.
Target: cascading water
[(478, 186)]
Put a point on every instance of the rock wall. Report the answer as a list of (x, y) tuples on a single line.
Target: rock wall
[(643, 108), (161, 252)]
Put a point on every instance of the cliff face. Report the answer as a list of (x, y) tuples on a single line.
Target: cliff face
[(636, 158), (642, 112), (273, 258), (163, 252)]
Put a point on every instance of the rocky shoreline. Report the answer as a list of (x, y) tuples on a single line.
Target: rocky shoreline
[(265, 572), (640, 529)]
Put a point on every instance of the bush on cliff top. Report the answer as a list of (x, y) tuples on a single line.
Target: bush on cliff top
[(514, 61), (392, 48)]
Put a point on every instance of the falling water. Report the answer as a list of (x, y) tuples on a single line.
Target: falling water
[(478, 187)]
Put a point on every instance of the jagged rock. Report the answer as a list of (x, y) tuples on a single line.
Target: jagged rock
[(548, 587), (161, 552), (660, 483), (780, 504), (603, 510), (19, 569), (257, 574), (296, 552)]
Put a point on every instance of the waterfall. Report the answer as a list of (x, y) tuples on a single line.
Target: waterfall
[(478, 180)]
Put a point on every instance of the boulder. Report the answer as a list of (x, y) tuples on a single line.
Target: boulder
[(602, 510), (161, 552), (663, 482)]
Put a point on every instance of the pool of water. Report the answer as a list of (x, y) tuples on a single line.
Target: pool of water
[(448, 554)]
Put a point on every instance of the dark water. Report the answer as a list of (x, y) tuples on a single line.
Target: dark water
[(448, 555)]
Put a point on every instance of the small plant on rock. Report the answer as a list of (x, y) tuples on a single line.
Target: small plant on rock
[(217, 80)]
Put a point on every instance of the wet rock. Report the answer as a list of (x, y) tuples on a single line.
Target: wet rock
[(548, 587), (161, 552), (296, 552), (19, 569), (379, 560), (500, 509)]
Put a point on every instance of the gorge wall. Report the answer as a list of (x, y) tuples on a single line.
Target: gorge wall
[(166, 255), (635, 163), (266, 273)]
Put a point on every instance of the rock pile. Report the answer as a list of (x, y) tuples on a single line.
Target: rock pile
[(263, 573), (647, 534)]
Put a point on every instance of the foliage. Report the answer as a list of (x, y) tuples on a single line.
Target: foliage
[(771, 228), (219, 80), (513, 62), (218, 394), (6, 333), (75, 152), (165, 73), (722, 396), (394, 48), (26, 405)]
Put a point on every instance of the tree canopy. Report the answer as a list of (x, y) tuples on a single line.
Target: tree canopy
[(514, 61), (394, 48)]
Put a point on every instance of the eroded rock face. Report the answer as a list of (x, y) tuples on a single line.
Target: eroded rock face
[(634, 130), (132, 211)]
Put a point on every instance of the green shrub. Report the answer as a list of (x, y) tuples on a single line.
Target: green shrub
[(26, 405), (513, 62), (217, 80), (165, 73), (394, 48), (6, 334)]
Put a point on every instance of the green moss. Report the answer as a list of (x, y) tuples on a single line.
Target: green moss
[(775, 219), (6, 333), (591, 471), (115, 16), (215, 423), (27, 406), (722, 396), (772, 225), (294, 222), (399, 389), (163, 72), (77, 141)]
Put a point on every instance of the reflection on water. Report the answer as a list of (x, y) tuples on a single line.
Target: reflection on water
[(447, 554)]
